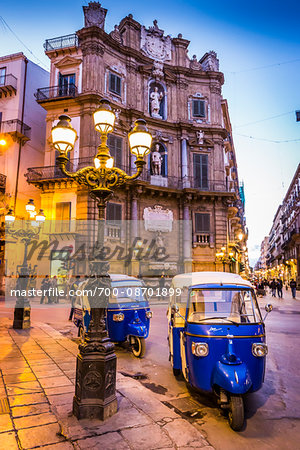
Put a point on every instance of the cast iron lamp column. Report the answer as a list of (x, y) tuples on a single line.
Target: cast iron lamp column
[(22, 306), (95, 395), (225, 258)]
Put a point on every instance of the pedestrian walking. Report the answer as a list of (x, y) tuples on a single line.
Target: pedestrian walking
[(74, 287), (45, 289), (279, 288), (54, 297), (273, 286), (293, 286)]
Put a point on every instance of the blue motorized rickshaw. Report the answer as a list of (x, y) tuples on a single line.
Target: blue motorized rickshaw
[(217, 337), (128, 313)]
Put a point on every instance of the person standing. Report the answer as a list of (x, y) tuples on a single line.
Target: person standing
[(45, 289), (74, 287), (279, 288), (273, 287), (293, 287)]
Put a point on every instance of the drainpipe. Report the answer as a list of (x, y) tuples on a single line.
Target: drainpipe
[(20, 144)]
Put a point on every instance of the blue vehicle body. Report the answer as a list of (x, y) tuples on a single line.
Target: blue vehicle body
[(229, 365), (135, 311)]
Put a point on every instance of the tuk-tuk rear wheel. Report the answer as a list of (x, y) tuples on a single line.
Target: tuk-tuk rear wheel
[(236, 412), (176, 372), (138, 346)]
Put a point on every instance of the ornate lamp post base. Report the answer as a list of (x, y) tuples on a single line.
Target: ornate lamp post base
[(95, 389), (21, 315)]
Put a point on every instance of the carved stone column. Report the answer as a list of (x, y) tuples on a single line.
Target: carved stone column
[(187, 236), (184, 163)]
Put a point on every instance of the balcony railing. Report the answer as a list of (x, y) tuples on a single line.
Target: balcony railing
[(55, 92), (37, 174), (16, 128), (202, 238), (8, 84), (70, 40)]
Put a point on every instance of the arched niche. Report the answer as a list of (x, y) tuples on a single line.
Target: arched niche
[(157, 99), (158, 153)]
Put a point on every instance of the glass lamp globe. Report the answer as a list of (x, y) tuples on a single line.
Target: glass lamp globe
[(140, 139), (10, 216), (104, 118), (63, 135), (30, 207), (40, 217)]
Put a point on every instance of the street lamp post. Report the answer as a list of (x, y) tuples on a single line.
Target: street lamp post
[(27, 234), (225, 257), (95, 395)]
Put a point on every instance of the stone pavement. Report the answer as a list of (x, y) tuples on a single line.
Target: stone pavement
[(37, 369)]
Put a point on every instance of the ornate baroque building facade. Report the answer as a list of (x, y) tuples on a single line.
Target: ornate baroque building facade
[(191, 172)]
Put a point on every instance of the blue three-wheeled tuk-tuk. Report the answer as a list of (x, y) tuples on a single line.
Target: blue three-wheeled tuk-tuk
[(217, 337), (128, 313)]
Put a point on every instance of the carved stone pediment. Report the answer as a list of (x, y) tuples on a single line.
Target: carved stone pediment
[(154, 44), (94, 15), (68, 61)]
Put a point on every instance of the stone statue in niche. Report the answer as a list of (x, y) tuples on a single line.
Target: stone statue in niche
[(156, 161), (155, 100), (159, 240), (94, 15), (199, 136)]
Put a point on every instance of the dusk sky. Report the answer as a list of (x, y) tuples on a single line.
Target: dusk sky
[(258, 45)]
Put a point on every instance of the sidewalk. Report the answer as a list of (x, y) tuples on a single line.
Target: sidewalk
[(37, 369)]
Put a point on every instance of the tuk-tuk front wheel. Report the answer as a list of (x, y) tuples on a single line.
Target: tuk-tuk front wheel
[(236, 412), (81, 333), (138, 346)]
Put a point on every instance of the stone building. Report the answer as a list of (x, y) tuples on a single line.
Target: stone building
[(283, 257), (22, 135), (191, 173)]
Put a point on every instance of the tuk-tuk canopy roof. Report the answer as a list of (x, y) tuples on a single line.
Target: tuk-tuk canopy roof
[(218, 278)]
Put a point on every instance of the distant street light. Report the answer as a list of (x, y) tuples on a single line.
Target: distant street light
[(27, 234)]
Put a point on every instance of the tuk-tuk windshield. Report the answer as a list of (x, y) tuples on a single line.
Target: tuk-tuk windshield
[(128, 292), (221, 305)]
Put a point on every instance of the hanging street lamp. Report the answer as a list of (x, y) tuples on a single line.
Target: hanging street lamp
[(95, 395)]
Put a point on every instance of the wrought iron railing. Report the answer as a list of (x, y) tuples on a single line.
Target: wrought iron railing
[(70, 40), (51, 172), (48, 93), (15, 126), (8, 80)]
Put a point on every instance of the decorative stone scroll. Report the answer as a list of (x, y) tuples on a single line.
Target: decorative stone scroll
[(158, 219), (154, 44)]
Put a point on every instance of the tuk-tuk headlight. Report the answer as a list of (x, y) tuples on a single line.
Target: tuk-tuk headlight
[(260, 349), (118, 317), (149, 314), (200, 348)]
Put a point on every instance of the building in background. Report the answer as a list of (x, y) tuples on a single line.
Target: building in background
[(283, 259), (22, 135), (191, 174)]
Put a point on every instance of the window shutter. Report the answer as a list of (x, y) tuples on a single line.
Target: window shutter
[(202, 223), (115, 146), (200, 163), (113, 212), (114, 84), (198, 108)]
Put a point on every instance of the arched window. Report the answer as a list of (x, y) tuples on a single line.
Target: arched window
[(157, 100)]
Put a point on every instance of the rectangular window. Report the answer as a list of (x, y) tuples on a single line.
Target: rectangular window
[(115, 146), (62, 216), (66, 84), (114, 84), (202, 223), (200, 163), (198, 108), (2, 76), (113, 212)]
